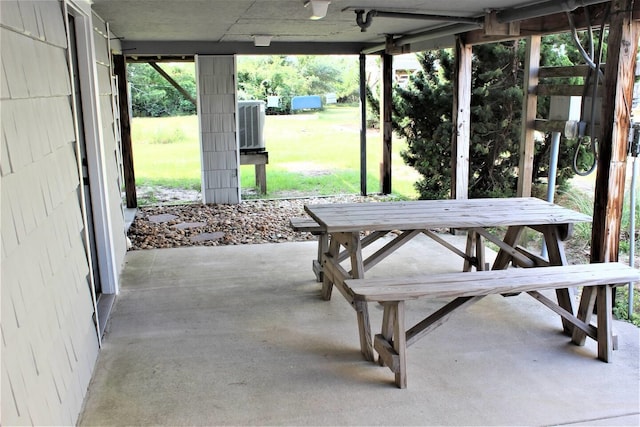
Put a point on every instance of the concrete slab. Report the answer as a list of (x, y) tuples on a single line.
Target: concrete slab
[(238, 335)]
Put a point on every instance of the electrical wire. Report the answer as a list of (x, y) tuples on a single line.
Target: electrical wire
[(594, 60)]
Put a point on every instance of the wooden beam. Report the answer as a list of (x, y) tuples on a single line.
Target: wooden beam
[(616, 119), (174, 83), (386, 116), (529, 108), (120, 70), (363, 124), (550, 24), (461, 117)]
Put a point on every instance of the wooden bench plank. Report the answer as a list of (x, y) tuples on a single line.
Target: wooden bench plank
[(304, 224), (476, 283)]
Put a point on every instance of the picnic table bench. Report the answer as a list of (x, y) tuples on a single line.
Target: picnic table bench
[(305, 224), (469, 287)]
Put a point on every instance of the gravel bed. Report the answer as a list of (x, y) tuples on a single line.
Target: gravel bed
[(250, 222)]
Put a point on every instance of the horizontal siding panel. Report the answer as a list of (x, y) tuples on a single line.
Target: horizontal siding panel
[(12, 63), (10, 201), (32, 177), (57, 71), (10, 15), (9, 235), (5, 158), (218, 103), (22, 59), (225, 160), (224, 65), (29, 13), (220, 179), (15, 391), (27, 143), (17, 120), (104, 79), (35, 73), (101, 45), (5, 93), (218, 142), (53, 24), (217, 85), (221, 123)]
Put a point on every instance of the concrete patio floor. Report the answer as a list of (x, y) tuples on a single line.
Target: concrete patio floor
[(238, 335)]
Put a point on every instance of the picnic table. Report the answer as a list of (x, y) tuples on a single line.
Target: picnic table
[(354, 226)]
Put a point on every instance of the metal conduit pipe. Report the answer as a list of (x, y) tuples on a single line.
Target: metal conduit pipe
[(428, 17), (437, 33), (549, 7), (426, 35)]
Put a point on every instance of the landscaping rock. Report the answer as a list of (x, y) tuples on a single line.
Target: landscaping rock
[(250, 222)]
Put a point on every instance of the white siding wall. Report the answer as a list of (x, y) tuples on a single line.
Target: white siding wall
[(218, 143), (48, 338)]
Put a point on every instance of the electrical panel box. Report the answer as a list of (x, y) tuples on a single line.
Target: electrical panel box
[(565, 108)]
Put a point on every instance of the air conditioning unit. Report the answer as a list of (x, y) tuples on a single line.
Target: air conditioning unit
[(251, 116)]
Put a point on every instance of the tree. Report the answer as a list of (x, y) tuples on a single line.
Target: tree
[(289, 76), (423, 115), (153, 96)]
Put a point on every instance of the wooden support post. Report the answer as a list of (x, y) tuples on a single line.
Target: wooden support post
[(387, 131), (612, 148), (462, 120), (260, 160), (120, 69), (529, 108), (363, 124)]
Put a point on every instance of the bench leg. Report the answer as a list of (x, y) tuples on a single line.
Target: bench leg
[(364, 330), (400, 346), (391, 344), (323, 246), (327, 285)]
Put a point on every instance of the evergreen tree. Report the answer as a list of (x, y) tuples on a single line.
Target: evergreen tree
[(423, 115)]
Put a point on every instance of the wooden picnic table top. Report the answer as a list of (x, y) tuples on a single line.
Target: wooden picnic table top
[(426, 214)]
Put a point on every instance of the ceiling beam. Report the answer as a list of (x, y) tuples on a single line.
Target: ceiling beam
[(132, 48)]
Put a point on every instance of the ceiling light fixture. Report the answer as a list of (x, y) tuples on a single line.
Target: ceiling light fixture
[(261, 41), (318, 8)]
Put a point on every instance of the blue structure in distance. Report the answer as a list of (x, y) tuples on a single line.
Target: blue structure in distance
[(307, 102)]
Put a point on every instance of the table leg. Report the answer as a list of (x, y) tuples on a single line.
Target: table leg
[(555, 249), (510, 238), (474, 252), (604, 302), (354, 247), (585, 313)]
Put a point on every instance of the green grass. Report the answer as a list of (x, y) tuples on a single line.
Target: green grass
[(160, 159), (309, 154)]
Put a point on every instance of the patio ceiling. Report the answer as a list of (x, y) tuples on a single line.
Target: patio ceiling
[(174, 27)]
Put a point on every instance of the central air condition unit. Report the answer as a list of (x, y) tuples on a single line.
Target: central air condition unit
[(251, 116)]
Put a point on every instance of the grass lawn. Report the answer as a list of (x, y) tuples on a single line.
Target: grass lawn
[(314, 153)]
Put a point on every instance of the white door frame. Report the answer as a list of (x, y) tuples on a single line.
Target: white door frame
[(81, 11)]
